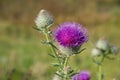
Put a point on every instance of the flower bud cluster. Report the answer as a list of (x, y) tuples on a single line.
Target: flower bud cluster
[(103, 46)]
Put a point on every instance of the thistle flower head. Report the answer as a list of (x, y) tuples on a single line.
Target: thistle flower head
[(44, 19), (71, 34), (83, 75)]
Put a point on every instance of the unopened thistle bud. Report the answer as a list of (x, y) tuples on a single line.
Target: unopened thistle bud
[(68, 69), (103, 44), (68, 51), (96, 52), (114, 50), (56, 77), (44, 19)]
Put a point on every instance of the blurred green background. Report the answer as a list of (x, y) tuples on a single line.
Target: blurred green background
[(23, 57)]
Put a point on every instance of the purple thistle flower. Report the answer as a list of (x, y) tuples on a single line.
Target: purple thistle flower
[(71, 34), (83, 75)]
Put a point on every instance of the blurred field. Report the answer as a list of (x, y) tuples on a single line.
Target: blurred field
[(23, 57)]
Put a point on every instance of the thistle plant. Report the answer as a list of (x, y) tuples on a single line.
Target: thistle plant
[(102, 50), (69, 36)]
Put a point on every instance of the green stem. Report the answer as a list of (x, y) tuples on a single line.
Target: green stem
[(100, 76), (100, 72), (65, 66), (52, 48)]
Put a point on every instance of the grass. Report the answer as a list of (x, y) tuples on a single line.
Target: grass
[(23, 57)]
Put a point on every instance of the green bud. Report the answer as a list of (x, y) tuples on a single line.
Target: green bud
[(56, 77), (96, 52), (44, 19), (114, 50), (103, 44), (68, 51)]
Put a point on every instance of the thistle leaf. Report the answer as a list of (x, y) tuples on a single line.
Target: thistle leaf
[(53, 45), (56, 64), (80, 51), (51, 55), (44, 42), (110, 58), (59, 75), (34, 27)]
